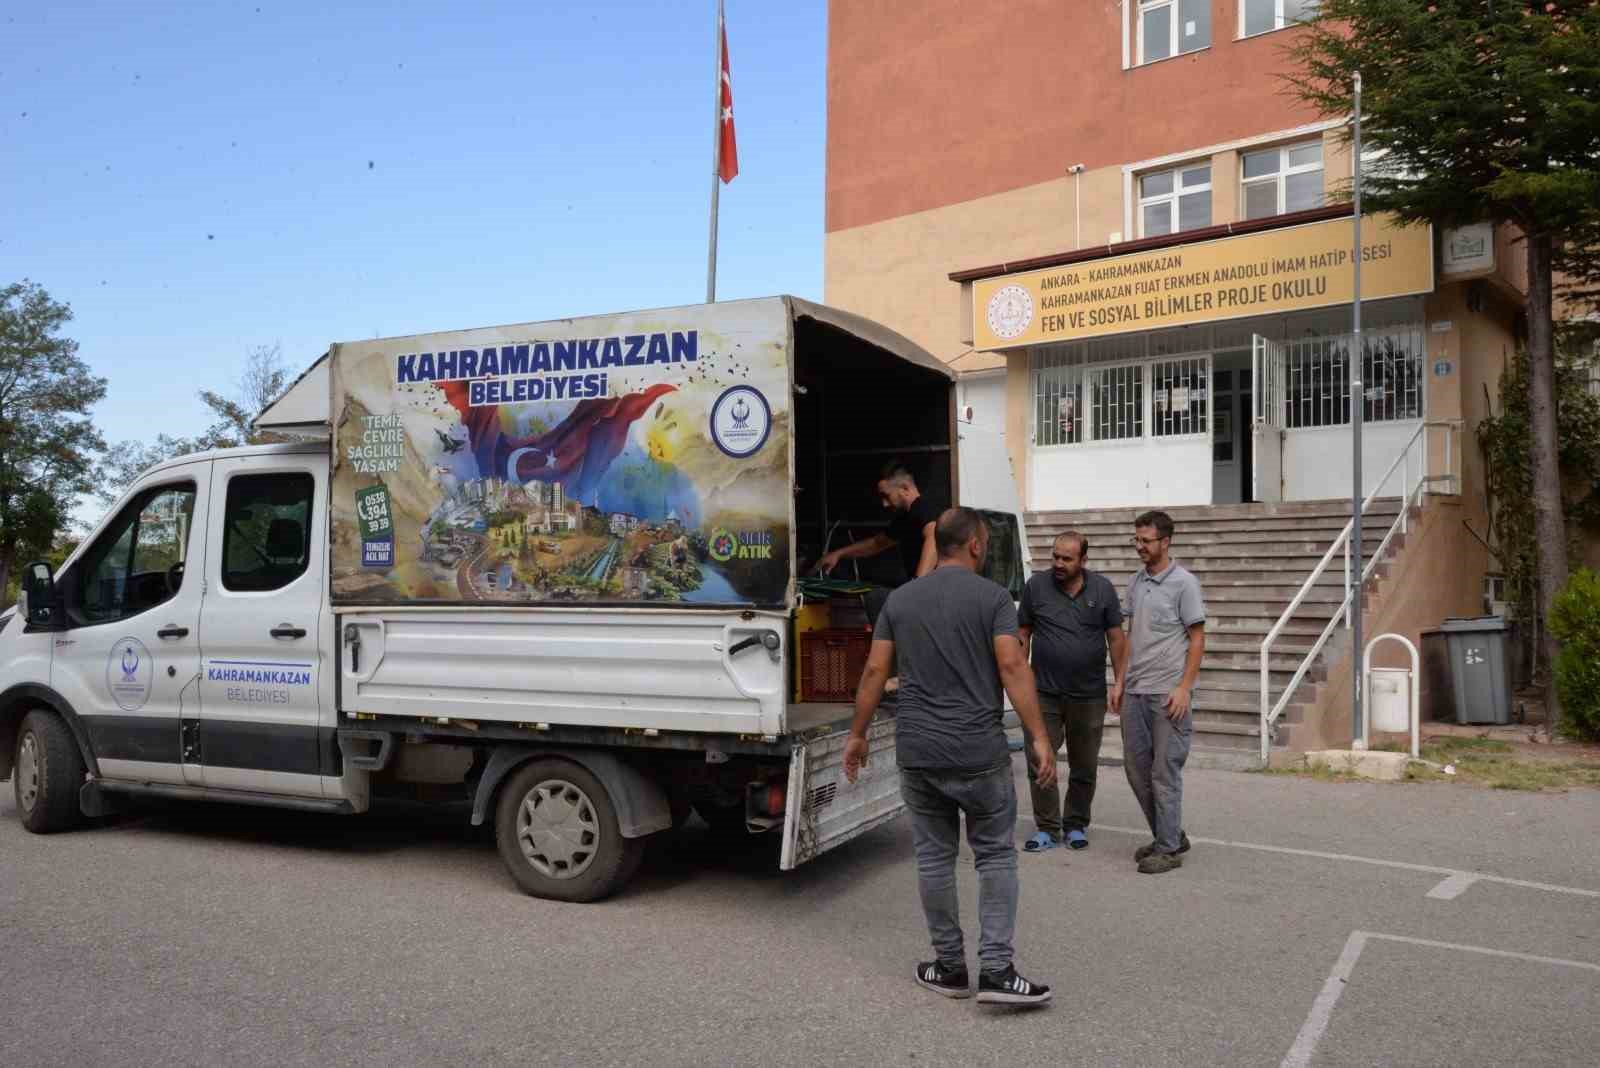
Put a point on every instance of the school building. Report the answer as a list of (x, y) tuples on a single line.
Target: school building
[(1133, 244)]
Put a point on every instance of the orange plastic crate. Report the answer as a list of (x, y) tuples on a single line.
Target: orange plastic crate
[(831, 663)]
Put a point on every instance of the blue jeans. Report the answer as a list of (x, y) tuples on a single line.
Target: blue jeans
[(1154, 750), (936, 800)]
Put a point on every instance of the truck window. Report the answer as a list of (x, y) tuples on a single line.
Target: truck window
[(266, 541), (136, 563), (1004, 563)]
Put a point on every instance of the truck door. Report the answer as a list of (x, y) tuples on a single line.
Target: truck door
[(987, 484), (259, 720), (128, 660)]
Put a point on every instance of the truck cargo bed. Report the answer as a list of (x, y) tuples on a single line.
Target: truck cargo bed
[(642, 669)]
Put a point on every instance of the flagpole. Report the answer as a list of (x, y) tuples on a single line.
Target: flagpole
[(716, 163)]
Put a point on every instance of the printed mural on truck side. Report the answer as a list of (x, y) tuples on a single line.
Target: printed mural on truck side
[(634, 458)]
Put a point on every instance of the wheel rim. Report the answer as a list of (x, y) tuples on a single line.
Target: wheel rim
[(558, 829), (27, 772)]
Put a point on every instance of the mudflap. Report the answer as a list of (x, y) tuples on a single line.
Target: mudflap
[(824, 809)]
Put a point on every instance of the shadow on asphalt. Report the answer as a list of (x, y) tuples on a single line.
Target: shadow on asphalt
[(692, 853)]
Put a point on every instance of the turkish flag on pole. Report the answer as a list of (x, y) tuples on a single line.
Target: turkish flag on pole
[(728, 153)]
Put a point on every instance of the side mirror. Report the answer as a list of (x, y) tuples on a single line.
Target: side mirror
[(38, 600)]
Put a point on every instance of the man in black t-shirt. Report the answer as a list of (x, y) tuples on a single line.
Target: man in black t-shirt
[(910, 530)]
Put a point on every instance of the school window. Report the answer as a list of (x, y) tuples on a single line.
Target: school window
[(1264, 16), (1276, 181), (1169, 28), (1170, 201), (266, 541), (137, 563), (1180, 398), (1116, 402), (1317, 376)]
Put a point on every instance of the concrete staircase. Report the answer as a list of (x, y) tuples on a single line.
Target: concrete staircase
[(1250, 559)]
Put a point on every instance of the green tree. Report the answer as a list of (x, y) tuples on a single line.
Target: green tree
[(1505, 439), (47, 444), (1484, 110), (262, 381)]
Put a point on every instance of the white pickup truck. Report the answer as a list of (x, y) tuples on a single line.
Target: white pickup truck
[(552, 570)]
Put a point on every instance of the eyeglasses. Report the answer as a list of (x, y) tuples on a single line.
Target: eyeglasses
[(1146, 541)]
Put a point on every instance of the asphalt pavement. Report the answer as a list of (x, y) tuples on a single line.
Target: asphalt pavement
[(1313, 923)]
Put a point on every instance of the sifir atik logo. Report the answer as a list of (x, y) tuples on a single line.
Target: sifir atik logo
[(745, 545)]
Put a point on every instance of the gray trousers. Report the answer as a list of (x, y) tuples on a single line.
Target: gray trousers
[(936, 801), (1154, 750)]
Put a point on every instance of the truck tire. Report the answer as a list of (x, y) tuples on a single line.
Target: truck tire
[(557, 831), (47, 775)]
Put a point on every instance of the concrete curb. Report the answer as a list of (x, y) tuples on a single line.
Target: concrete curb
[(1362, 763)]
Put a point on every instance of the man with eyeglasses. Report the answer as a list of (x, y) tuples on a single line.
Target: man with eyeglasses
[(1154, 688)]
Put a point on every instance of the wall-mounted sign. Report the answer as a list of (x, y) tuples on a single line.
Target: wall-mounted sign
[(1292, 269), (1467, 249)]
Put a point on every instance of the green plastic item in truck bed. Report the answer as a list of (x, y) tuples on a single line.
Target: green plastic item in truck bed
[(818, 589)]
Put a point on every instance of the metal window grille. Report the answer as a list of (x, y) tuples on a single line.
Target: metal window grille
[(1116, 402), (1180, 396), (1058, 417), (1317, 377), (1594, 370)]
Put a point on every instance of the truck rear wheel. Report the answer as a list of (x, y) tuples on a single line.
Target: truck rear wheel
[(47, 775), (557, 831)]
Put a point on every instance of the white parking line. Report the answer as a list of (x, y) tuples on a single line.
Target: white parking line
[(1305, 1043), (1456, 880), (1452, 887)]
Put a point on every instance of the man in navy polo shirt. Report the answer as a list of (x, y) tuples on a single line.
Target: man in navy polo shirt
[(1070, 617)]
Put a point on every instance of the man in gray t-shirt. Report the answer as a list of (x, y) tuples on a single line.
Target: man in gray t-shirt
[(1166, 640), (953, 635)]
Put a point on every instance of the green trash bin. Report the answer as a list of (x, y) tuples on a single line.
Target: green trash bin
[(1478, 655)]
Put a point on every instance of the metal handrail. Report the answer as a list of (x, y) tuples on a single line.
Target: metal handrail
[(1270, 711)]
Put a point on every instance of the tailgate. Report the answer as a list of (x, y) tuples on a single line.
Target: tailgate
[(824, 809)]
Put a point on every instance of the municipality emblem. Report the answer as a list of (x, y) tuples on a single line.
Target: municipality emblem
[(741, 421)]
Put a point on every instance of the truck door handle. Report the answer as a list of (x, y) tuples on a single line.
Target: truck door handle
[(766, 637), (172, 630), (288, 630)]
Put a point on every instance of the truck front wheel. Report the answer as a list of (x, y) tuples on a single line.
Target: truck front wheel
[(557, 831), (47, 775)]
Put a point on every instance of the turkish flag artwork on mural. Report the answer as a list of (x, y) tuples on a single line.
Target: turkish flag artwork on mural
[(728, 155)]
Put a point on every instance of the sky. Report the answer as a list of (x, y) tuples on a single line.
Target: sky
[(198, 180)]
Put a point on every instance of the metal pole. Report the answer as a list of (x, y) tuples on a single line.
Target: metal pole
[(1357, 399), (716, 163)]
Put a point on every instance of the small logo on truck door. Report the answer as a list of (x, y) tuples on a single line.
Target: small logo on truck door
[(129, 670)]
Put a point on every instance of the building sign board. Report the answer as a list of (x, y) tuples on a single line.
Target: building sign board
[(1467, 250), (1293, 269)]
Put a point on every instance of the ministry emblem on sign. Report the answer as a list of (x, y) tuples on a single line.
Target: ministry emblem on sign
[(1010, 312)]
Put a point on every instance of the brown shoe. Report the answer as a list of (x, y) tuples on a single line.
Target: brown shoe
[(1157, 863), (1149, 850)]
